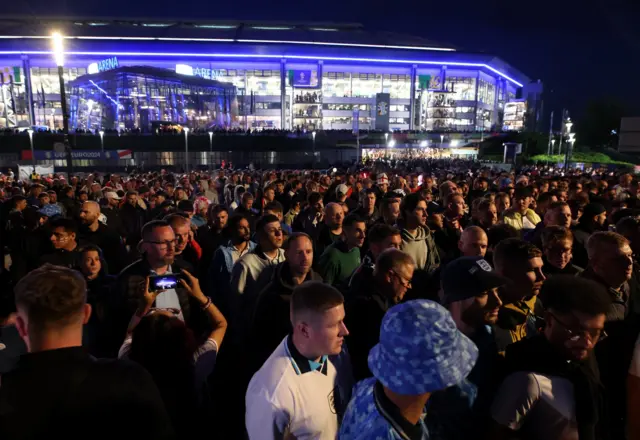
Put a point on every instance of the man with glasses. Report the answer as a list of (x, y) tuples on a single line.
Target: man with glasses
[(391, 279), (158, 257), (552, 390), (611, 266)]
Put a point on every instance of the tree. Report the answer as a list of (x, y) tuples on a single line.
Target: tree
[(601, 117)]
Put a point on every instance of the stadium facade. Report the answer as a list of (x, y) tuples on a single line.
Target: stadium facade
[(125, 74)]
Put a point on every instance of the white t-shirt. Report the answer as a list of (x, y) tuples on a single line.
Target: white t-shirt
[(287, 398), (538, 407)]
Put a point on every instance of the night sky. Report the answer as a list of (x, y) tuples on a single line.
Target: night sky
[(581, 49)]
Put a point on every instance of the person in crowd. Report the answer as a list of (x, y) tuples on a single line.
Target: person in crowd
[(448, 236), (224, 258), (106, 238), (340, 259), (111, 210), (381, 237), (557, 249), (446, 189), (293, 211), (420, 352), (133, 218), (57, 384), (470, 293), (158, 257), (552, 390), (210, 237), (368, 211), (246, 209), (187, 252), (611, 266), (391, 279), (557, 214), (283, 396), (27, 246), (269, 321), (521, 216), (416, 236), (543, 202), (15, 220), (473, 242), (247, 270), (486, 215), (160, 342), (330, 231), (99, 284), (275, 208), (593, 220), (63, 239), (310, 219), (390, 211), (521, 263)]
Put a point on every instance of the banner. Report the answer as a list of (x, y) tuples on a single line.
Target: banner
[(382, 111), (77, 155), (304, 78), (424, 82)]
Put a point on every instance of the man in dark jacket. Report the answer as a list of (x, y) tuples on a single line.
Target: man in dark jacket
[(310, 219), (63, 238), (158, 258), (271, 323), (133, 218), (392, 278), (57, 384), (210, 237), (106, 238)]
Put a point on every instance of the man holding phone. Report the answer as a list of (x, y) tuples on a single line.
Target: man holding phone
[(158, 251)]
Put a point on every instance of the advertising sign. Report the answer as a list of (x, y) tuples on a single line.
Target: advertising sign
[(185, 69), (306, 78), (382, 111), (77, 155), (103, 66)]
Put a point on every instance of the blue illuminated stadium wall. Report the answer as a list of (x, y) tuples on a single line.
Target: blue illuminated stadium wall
[(432, 88)]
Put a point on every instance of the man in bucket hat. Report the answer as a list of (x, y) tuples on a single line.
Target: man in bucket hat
[(420, 351)]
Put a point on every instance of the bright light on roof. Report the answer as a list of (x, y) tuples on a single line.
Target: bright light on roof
[(271, 28), (454, 143), (97, 23), (324, 29), (156, 24), (58, 48), (215, 26)]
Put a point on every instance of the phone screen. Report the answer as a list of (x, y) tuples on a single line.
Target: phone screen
[(163, 282)]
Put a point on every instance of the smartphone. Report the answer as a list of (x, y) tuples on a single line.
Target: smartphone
[(163, 282)]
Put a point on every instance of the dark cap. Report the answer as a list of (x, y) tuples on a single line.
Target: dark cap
[(466, 277), (434, 208), (593, 209)]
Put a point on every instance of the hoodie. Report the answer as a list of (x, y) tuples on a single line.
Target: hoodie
[(270, 321), (422, 248)]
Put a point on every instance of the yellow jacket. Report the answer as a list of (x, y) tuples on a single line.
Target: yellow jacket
[(515, 219)]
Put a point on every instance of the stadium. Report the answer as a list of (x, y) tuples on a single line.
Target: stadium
[(146, 75)]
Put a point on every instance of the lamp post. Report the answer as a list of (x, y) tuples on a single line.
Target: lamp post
[(386, 138), (186, 149), (553, 146), (58, 53), (313, 135), (567, 156), (33, 153), (210, 149), (441, 140), (101, 133)]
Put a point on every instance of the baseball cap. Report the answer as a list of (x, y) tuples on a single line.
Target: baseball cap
[(342, 189), (434, 208), (421, 350), (382, 179), (50, 210), (466, 277), (112, 195), (593, 209)]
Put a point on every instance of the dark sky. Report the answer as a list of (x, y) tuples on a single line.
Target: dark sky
[(580, 49)]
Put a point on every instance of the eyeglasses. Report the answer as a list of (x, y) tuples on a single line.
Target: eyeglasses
[(403, 282), (573, 335)]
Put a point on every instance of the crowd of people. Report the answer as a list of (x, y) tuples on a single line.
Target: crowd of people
[(430, 299)]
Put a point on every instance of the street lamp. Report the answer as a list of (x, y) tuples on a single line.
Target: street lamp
[(386, 138), (101, 133), (186, 149), (392, 143), (33, 153), (441, 140), (553, 146), (313, 135), (424, 143), (58, 54), (210, 149)]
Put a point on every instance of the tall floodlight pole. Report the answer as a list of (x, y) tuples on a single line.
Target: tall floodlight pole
[(210, 150), (550, 146), (570, 141), (58, 53), (101, 133), (186, 149), (441, 140), (33, 153)]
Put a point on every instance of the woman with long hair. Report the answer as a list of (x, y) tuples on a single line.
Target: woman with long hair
[(160, 341)]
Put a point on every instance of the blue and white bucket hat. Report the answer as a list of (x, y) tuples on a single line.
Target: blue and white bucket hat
[(421, 350)]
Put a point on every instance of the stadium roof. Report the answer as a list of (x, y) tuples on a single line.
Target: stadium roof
[(332, 34)]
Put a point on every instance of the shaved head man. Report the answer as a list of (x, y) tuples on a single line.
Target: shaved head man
[(89, 215), (333, 217), (473, 242)]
